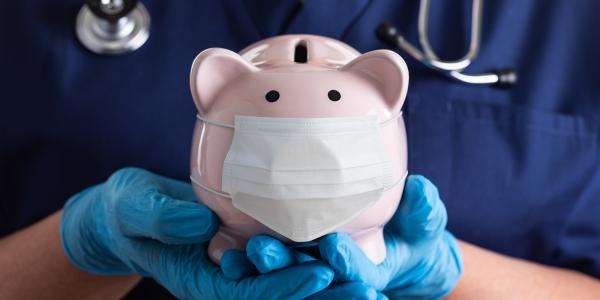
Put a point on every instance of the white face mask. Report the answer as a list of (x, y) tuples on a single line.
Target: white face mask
[(305, 177)]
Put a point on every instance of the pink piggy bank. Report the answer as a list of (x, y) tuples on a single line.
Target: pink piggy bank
[(298, 136)]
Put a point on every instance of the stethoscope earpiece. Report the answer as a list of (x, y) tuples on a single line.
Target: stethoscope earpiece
[(388, 33), (506, 77), (113, 26)]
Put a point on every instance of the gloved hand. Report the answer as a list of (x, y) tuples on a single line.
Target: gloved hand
[(265, 254), (141, 222), (423, 260)]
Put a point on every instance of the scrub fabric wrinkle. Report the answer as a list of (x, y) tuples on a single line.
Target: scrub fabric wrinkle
[(517, 168)]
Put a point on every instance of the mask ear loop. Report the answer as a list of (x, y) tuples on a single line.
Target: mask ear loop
[(209, 189), (216, 123), (198, 183), (390, 119), (396, 182)]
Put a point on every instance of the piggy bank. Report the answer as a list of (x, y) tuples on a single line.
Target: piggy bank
[(298, 136)]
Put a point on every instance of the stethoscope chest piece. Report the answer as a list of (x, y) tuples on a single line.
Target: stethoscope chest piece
[(113, 26)]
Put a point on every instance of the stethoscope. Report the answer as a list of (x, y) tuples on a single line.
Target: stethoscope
[(390, 35), (113, 27), (121, 26)]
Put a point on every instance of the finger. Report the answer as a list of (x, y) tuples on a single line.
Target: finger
[(144, 208), (302, 257), (349, 262), (126, 179), (421, 214), (348, 290), (187, 273), (295, 282), (171, 221), (236, 265), (177, 189), (268, 254)]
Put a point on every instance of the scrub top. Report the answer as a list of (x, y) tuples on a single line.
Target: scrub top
[(518, 168)]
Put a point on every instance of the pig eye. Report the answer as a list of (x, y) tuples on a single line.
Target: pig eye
[(272, 96), (334, 95)]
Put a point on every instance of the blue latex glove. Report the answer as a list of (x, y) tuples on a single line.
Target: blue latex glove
[(141, 222), (265, 254), (423, 260)]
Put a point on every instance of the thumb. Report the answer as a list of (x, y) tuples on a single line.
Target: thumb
[(349, 262), (161, 217), (421, 215), (151, 206)]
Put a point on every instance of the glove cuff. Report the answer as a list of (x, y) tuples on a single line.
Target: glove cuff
[(80, 238), (454, 263), (435, 275)]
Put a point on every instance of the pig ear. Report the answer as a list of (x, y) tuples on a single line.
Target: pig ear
[(212, 70), (387, 70)]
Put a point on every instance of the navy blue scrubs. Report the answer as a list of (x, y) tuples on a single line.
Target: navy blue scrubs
[(518, 168)]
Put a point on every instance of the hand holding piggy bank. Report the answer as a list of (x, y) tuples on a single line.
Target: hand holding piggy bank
[(299, 136)]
